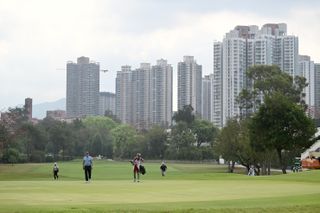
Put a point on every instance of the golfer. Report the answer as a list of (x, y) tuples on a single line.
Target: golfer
[(87, 166), (137, 160), (163, 168), (55, 171), (251, 171)]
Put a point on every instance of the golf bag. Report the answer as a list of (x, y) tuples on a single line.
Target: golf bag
[(142, 169)]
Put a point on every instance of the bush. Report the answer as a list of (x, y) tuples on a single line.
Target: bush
[(206, 153), (49, 158), (37, 156), (11, 155), (185, 153)]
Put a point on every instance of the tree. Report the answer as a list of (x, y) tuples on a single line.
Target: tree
[(182, 143), (205, 132), (268, 83), (60, 137), (248, 102), (11, 156), (99, 122), (156, 142), (268, 80), (96, 146), (233, 144), (99, 129), (124, 138), (281, 125), (109, 114), (4, 139), (80, 137), (185, 114), (33, 140), (14, 119)]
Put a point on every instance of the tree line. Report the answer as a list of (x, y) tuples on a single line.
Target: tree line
[(51, 140), (271, 130)]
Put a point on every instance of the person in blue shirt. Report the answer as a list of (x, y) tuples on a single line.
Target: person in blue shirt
[(87, 166)]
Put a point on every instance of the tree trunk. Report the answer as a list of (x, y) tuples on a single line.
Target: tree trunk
[(257, 170), (231, 166), (264, 169), (269, 167), (283, 168), (248, 168)]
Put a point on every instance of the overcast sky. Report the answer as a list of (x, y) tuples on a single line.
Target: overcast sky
[(38, 37)]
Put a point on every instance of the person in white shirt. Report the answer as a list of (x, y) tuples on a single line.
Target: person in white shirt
[(251, 171), (55, 171)]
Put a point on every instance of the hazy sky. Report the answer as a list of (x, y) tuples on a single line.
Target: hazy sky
[(38, 37)]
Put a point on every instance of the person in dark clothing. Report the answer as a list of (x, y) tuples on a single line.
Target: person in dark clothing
[(55, 171), (163, 168), (87, 166)]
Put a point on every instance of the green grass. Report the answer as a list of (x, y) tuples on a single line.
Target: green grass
[(186, 188)]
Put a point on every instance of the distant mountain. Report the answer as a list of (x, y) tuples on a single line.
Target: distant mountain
[(39, 110)]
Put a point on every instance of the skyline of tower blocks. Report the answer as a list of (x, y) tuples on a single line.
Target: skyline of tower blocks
[(144, 95)]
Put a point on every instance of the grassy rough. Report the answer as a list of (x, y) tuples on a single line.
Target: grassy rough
[(186, 188)]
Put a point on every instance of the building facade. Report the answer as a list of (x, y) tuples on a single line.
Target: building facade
[(83, 82), (217, 85), (317, 90), (124, 95), (107, 102), (28, 108), (144, 95), (241, 48), (56, 114), (206, 97), (161, 93), (189, 84), (307, 70), (141, 96)]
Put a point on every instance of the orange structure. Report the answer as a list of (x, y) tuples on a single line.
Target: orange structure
[(312, 161)]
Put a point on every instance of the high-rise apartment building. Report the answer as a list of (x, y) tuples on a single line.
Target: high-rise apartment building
[(140, 85), (206, 97), (317, 89), (161, 93), (242, 47), (144, 95), (83, 82), (217, 85), (124, 95), (107, 102), (307, 70), (28, 108), (189, 84)]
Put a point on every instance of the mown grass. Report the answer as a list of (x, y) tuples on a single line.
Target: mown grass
[(186, 188)]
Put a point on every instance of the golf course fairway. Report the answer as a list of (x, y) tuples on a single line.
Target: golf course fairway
[(185, 188)]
